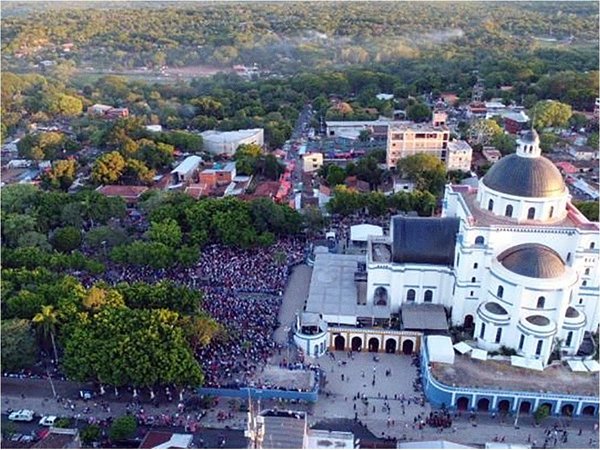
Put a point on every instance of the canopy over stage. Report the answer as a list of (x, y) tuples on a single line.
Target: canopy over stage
[(361, 232), (440, 349)]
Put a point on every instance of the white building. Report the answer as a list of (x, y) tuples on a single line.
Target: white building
[(513, 258), (184, 171), (227, 142), (459, 156)]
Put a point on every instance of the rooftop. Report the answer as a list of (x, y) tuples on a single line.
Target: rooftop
[(284, 431), (412, 126), (502, 375), (162, 439), (189, 163), (113, 190), (229, 136), (424, 316), (481, 217), (333, 291)]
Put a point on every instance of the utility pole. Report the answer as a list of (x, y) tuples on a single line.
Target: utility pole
[(51, 383)]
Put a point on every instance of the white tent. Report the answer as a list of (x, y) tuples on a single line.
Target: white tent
[(440, 349), (363, 231), (477, 353), (577, 366), (462, 348), (592, 365), (534, 364)]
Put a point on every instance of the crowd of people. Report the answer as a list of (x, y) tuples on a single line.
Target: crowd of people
[(263, 270)]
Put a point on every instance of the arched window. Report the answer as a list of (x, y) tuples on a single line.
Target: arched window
[(381, 296), (500, 292), (569, 257), (428, 297), (490, 205), (592, 245), (482, 331), (473, 280), (479, 240), (551, 213), (587, 271), (509, 210), (538, 348), (410, 295), (521, 342), (569, 339), (584, 283), (531, 213), (498, 335), (475, 265), (541, 302)]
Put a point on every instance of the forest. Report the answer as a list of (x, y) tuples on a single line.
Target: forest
[(287, 38)]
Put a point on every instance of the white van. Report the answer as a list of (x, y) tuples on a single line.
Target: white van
[(23, 415), (48, 421)]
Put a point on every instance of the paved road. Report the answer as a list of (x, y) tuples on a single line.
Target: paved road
[(294, 297)]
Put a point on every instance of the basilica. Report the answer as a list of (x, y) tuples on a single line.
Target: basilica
[(512, 259)]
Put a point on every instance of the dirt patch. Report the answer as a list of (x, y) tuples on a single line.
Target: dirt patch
[(278, 378), (501, 375), (194, 71)]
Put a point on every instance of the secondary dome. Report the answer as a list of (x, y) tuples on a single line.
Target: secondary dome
[(525, 177), (533, 261)]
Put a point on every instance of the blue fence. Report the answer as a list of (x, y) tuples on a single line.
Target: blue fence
[(264, 394)]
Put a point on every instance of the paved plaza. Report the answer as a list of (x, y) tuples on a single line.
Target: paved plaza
[(340, 404), (296, 293)]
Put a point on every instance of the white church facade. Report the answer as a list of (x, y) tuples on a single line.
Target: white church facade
[(512, 258)]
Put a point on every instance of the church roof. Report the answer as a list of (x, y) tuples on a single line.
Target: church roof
[(525, 177), (533, 261), (424, 240)]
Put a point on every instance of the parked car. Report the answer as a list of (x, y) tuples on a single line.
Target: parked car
[(22, 415), (48, 421)]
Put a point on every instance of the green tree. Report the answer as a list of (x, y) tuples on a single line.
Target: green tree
[(167, 232), (66, 239), (418, 112), (34, 239), (123, 428), (90, 434), (592, 140), (548, 141), (588, 209), (505, 143), (426, 171), (19, 350), (482, 132), (541, 413), (105, 236), (61, 175), (108, 168), (46, 322), (14, 225), (335, 175), (550, 113)]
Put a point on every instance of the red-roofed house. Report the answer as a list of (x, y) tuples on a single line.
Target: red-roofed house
[(164, 439), (130, 194)]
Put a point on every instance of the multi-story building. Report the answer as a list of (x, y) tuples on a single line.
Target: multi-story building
[(409, 138), (433, 138)]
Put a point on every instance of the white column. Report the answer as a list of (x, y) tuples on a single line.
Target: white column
[(535, 405), (557, 408), (579, 408), (453, 401), (494, 401)]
